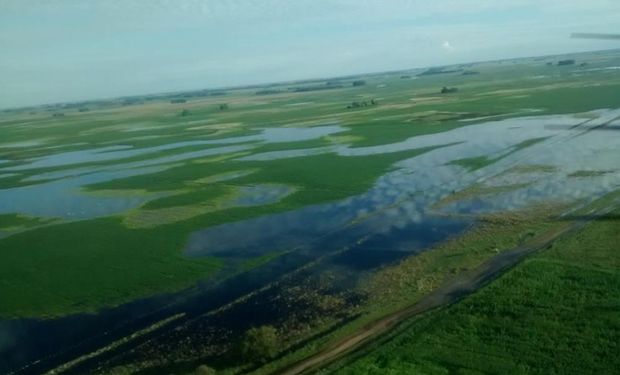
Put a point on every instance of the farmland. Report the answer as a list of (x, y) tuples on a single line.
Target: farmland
[(314, 207)]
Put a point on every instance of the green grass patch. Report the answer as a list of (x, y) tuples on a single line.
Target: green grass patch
[(196, 196), (475, 163), (252, 263), (83, 266), (8, 221), (478, 190), (587, 173)]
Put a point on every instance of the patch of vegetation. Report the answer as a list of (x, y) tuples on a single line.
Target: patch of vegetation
[(588, 173), (531, 168), (478, 190), (256, 262), (475, 163), (380, 132), (259, 344), (8, 221), (195, 196), (83, 266), (205, 370)]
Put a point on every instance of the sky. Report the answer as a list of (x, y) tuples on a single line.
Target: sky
[(70, 50)]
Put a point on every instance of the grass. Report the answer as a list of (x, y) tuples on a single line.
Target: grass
[(478, 190), (195, 196), (87, 265), (256, 262), (531, 168), (557, 312), (586, 173), (9, 221)]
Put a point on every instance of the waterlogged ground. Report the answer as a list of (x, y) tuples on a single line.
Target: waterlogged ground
[(136, 212)]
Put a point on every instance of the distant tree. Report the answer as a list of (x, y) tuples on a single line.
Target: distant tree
[(566, 62), (205, 370), (448, 90), (185, 112), (359, 83), (267, 92), (259, 344), (223, 107), (83, 109)]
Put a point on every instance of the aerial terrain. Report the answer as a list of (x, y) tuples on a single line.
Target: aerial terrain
[(450, 220)]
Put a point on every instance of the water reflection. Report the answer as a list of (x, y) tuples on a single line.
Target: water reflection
[(408, 194)]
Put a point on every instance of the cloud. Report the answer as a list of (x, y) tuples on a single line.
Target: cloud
[(447, 46)]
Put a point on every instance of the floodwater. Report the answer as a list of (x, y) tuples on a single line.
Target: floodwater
[(397, 217), (63, 197), (58, 193), (570, 145), (103, 154)]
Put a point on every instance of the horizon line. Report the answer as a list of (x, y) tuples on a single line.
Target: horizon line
[(285, 82)]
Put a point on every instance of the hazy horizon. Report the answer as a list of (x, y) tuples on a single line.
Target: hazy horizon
[(66, 51)]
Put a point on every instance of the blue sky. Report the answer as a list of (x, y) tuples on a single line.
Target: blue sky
[(69, 50)]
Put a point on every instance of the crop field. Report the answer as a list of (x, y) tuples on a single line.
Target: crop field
[(174, 215)]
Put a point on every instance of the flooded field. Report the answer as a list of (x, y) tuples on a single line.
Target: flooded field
[(178, 235)]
